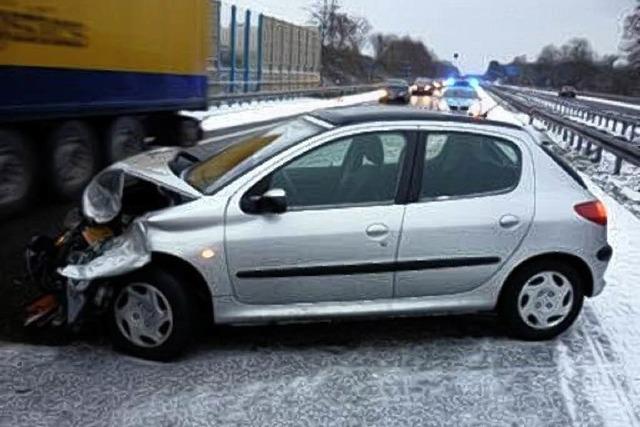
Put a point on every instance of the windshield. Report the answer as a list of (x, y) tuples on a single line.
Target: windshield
[(223, 167), (460, 93), (397, 83)]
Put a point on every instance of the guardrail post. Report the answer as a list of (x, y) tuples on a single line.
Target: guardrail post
[(625, 129), (588, 148), (247, 46), (232, 72), (617, 166), (598, 155)]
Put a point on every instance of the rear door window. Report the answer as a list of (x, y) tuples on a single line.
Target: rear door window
[(460, 164)]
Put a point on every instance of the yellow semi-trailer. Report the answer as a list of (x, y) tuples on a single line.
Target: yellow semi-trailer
[(84, 83)]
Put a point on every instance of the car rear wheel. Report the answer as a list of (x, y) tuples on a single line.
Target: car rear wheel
[(541, 300), (151, 316)]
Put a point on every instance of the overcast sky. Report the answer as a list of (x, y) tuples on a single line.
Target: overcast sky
[(480, 30)]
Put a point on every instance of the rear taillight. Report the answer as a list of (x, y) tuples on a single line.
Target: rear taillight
[(593, 211)]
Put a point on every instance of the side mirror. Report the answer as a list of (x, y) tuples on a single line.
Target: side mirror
[(273, 201)]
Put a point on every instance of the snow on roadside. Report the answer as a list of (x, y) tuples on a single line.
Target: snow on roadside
[(498, 112), (618, 312), (257, 112)]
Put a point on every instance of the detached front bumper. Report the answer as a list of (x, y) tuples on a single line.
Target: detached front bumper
[(121, 255), (73, 279)]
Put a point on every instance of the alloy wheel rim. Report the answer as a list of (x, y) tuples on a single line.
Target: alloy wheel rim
[(545, 300), (143, 315)]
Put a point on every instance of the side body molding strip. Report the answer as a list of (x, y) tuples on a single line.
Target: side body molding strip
[(366, 268)]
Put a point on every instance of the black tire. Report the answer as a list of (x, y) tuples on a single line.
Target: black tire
[(189, 132), (18, 172), (73, 158), (509, 300), (183, 311), (124, 138)]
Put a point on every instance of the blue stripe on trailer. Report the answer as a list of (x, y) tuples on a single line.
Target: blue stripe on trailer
[(29, 91)]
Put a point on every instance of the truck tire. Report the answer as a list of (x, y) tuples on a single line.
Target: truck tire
[(73, 158), (124, 138), (189, 132), (18, 166)]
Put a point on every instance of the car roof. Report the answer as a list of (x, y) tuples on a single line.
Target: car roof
[(344, 116)]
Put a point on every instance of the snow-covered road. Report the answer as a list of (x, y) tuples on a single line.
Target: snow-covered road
[(424, 371)]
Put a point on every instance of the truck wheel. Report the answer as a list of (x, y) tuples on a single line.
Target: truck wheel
[(17, 172), (124, 138), (189, 132), (74, 158)]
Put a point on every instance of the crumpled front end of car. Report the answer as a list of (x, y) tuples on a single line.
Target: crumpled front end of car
[(75, 270)]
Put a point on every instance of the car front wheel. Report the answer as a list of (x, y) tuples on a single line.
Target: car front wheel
[(151, 316), (541, 300)]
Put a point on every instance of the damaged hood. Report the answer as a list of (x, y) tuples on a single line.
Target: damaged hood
[(102, 199)]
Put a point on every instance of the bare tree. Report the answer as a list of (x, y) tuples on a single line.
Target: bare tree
[(578, 50), (337, 29), (549, 55), (323, 14), (630, 43)]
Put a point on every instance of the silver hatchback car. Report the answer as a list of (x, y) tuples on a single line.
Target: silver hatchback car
[(349, 212)]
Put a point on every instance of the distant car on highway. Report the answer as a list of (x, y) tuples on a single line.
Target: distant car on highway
[(567, 92), (349, 212), (423, 86), (460, 99), (397, 90), (461, 83)]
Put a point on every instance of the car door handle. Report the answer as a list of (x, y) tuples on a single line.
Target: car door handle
[(509, 221), (377, 230)]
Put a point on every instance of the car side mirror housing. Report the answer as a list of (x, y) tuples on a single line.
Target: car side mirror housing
[(273, 201)]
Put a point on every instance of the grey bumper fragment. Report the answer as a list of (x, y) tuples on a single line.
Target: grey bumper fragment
[(123, 254)]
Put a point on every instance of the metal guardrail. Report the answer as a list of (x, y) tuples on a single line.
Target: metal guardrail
[(319, 92), (623, 150), (612, 97), (602, 114), (608, 96)]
